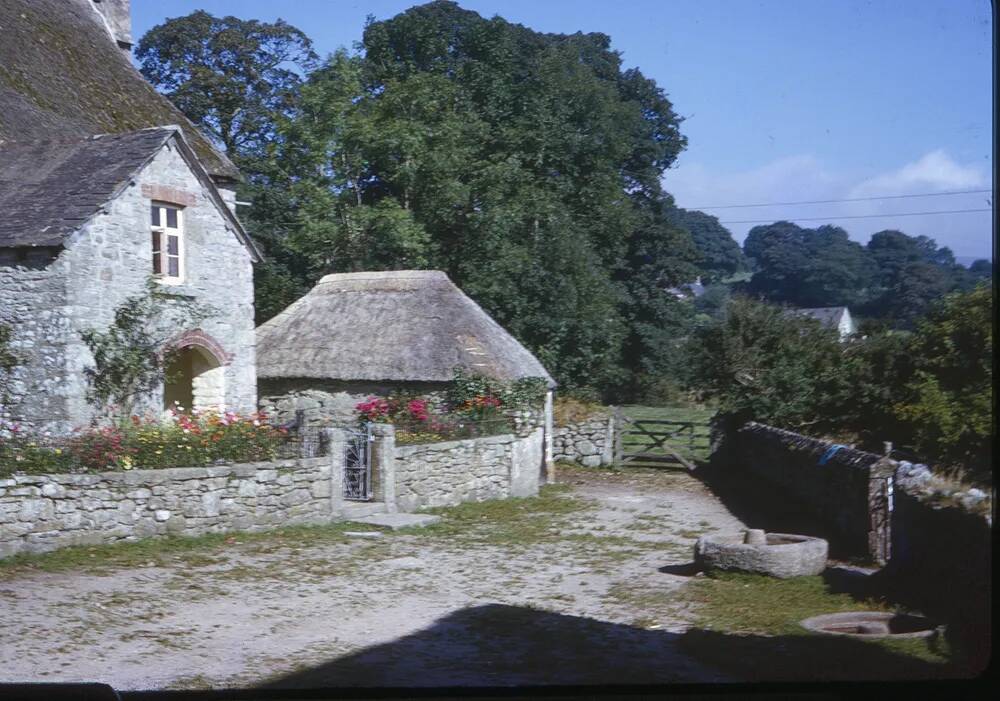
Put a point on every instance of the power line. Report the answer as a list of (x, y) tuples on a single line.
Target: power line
[(851, 199), (859, 216)]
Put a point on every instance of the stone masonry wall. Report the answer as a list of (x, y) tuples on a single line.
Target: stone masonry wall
[(32, 303), (941, 561), (446, 474), (328, 402), (39, 513), (589, 442), (842, 488)]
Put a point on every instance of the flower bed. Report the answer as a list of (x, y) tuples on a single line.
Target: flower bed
[(475, 406), (181, 440), (415, 422)]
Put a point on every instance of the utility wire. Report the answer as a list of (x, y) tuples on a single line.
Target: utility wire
[(857, 216), (852, 199)]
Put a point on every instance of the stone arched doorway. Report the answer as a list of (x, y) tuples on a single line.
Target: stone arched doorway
[(194, 377)]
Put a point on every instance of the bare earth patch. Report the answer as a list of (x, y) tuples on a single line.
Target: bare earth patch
[(566, 589)]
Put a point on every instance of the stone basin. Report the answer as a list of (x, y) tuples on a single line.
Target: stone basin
[(871, 624), (780, 555)]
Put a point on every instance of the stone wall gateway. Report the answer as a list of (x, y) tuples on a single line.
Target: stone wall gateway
[(589, 442)]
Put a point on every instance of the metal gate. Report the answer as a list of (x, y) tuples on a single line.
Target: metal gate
[(358, 465)]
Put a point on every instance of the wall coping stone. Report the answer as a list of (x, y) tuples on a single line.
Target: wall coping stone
[(414, 448)]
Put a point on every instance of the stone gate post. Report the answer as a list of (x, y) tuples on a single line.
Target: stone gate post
[(335, 441), (384, 464)]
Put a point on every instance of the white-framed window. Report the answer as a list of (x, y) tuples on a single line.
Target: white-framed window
[(168, 242)]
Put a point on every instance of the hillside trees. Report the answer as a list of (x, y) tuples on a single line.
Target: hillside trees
[(808, 267), (719, 256), (928, 390), (894, 279)]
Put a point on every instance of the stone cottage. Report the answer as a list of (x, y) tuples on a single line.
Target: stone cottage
[(356, 335), (99, 194)]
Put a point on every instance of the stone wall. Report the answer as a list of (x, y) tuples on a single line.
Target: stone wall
[(842, 488), (329, 402), (590, 442), (476, 469), (941, 561), (39, 513), (50, 297)]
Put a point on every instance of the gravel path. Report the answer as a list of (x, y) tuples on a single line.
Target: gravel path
[(585, 600)]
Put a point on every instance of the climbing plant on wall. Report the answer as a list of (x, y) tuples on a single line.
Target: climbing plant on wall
[(131, 355)]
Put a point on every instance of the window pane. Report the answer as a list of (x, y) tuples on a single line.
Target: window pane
[(174, 266), (156, 253), (155, 215), (173, 245), (172, 218)]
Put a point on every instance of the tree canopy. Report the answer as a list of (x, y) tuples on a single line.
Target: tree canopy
[(719, 256)]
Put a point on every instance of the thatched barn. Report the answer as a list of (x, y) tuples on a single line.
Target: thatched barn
[(356, 335)]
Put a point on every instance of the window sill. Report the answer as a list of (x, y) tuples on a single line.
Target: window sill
[(175, 289)]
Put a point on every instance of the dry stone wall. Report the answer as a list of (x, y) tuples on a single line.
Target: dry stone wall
[(842, 488), (449, 473), (589, 442), (941, 561), (39, 513)]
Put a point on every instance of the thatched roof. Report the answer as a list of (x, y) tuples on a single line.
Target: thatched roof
[(404, 325), (63, 76)]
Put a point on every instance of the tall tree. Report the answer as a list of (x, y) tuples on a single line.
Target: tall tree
[(808, 267), (719, 256), (525, 165), (233, 78)]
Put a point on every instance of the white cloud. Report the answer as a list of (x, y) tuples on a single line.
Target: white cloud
[(804, 177), (933, 172)]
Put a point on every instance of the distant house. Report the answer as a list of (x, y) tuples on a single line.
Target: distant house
[(691, 289), (356, 335), (838, 318)]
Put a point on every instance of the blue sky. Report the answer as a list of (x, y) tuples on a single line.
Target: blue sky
[(784, 100)]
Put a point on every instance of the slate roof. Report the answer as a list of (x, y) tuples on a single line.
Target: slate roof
[(48, 189), (828, 316), (62, 76)]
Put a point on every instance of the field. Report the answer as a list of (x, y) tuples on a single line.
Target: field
[(691, 442)]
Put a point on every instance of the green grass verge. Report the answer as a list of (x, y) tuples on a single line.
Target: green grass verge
[(192, 550), (748, 625)]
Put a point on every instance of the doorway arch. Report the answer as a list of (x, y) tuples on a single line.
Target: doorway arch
[(195, 375)]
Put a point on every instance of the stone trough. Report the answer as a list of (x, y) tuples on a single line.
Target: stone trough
[(871, 624), (781, 555)]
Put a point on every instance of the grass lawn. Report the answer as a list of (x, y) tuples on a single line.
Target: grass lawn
[(748, 625)]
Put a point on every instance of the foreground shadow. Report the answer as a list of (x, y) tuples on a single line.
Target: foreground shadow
[(811, 658), (497, 646)]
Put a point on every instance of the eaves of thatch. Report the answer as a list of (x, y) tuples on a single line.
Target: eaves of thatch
[(398, 326), (63, 76)]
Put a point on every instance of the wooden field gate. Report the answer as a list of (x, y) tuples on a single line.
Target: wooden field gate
[(656, 441)]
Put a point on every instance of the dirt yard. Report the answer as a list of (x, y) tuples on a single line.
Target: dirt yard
[(574, 587)]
